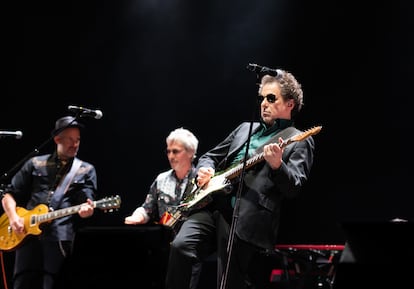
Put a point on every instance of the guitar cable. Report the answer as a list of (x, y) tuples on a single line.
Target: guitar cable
[(3, 270)]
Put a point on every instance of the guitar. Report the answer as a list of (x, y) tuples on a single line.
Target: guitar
[(172, 218), (222, 180), (9, 240)]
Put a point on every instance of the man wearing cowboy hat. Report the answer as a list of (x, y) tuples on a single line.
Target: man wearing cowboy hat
[(58, 180)]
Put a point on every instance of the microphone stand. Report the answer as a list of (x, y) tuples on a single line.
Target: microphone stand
[(235, 217), (36, 151)]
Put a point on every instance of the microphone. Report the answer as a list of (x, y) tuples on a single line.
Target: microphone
[(96, 113), (16, 134), (263, 70)]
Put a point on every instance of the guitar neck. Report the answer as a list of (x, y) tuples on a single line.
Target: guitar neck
[(235, 171), (58, 214), (106, 204)]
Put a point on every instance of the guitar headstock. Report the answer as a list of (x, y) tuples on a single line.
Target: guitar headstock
[(109, 203), (307, 133)]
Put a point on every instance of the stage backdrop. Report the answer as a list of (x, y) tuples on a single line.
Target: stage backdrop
[(153, 66)]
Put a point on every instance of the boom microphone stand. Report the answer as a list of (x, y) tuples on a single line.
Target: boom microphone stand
[(235, 217), (260, 72)]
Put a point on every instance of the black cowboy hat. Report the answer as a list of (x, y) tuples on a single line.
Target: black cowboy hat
[(66, 122)]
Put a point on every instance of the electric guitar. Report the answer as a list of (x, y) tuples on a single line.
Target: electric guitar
[(172, 218), (9, 240), (222, 180)]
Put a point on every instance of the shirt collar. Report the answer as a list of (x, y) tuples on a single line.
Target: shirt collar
[(279, 124)]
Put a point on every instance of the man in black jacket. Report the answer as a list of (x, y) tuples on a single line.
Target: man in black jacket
[(253, 212)]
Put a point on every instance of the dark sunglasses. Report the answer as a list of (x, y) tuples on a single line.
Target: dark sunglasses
[(174, 151), (271, 98)]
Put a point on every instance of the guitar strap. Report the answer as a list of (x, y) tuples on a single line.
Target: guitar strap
[(284, 134), (64, 185), (190, 183)]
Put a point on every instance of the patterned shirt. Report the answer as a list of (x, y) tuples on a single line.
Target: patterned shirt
[(166, 191)]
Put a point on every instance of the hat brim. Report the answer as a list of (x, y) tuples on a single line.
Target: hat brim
[(59, 130)]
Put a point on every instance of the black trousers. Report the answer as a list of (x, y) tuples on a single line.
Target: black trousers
[(194, 242), (202, 234), (38, 264)]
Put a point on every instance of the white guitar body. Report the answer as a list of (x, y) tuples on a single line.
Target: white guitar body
[(217, 183)]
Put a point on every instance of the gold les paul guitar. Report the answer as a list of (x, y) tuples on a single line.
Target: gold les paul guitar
[(9, 240), (222, 180)]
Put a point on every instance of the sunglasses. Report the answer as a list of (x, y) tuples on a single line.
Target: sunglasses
[(174, 151), (271, 98)]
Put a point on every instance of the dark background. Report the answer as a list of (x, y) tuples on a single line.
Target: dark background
[(153, 66)]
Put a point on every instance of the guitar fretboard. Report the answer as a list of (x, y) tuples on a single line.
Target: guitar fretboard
[(57, 214), (234, 172)]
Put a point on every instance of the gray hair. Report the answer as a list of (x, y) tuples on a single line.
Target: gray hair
[(186, 137)]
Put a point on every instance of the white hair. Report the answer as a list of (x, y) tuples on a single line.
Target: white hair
[(184, 136)]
